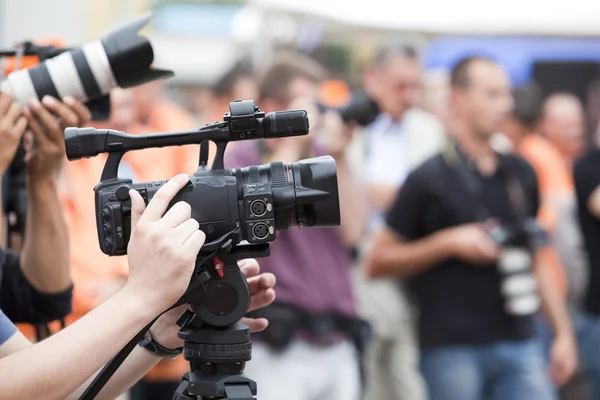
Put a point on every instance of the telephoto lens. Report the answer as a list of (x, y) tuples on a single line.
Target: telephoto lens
[(121, 58)]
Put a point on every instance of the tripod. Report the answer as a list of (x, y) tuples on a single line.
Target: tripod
[(216, 344)]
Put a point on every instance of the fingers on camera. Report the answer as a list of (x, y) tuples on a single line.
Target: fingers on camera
[(43, 116), (83, 113), (159, 203)]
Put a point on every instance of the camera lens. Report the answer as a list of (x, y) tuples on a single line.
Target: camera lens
[(260, 230), (304, 193), (258, 208), (121, 58)]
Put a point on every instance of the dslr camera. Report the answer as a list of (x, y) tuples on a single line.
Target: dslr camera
[(239, 209), (121, 58), (517, 241)]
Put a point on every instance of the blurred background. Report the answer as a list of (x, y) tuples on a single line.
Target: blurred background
[(215, 47), (199, 39)]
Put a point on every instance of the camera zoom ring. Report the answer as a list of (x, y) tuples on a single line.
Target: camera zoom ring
[(253, 174), (278, 177)]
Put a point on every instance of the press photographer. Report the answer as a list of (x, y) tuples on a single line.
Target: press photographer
[(463, 233), (30, 110), (163, 248), (314, 330), (36, 284)]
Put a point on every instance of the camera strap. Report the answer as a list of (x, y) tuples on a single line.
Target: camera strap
[(516, 194)]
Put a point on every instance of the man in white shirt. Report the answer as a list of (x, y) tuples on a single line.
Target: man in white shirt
[(400, 139)]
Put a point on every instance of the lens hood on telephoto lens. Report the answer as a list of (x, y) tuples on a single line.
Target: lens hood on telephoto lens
[(121, 58)]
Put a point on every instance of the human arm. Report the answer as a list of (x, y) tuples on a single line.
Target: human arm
[(161, 248), (165, 330), (404, 248), (381, 196), (587, 184), (335, 137), (563, 352), (593, 203), (45, 254), (12, 128)]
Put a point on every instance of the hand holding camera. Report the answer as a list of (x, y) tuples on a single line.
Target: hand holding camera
[(12, 128), (471, 243), (164, 245), (44, 140)]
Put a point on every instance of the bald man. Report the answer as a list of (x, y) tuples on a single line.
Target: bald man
[(563, 122)]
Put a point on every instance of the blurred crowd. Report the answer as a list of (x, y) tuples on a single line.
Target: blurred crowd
[(465, 264)]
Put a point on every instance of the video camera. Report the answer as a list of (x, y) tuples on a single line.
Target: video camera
[(119, 59), (360, 109), (232, 206)]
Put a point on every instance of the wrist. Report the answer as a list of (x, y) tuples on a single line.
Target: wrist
[(165, 336), (41, 187), (138, 304), (563, 333), (445, 244)]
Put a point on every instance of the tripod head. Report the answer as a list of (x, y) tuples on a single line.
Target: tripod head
[(216, 344)]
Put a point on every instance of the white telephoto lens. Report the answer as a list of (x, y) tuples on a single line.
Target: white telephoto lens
[(514, 259), (19, 85), (523, 305)]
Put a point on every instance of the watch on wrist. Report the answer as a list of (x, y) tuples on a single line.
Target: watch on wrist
[(148, 343)]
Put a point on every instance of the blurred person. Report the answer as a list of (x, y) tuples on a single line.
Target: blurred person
[(566, 259), (36, 284), (237, 83), (563, 123), (401, 137), (163, 248), (553, 175), (587, 187), (155, 112), (436, 94), (308, 353), (437, 236)]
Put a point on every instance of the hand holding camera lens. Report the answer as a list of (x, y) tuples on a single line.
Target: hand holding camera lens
[(44, 140), (12, 128), (471, 243), (163, 246)]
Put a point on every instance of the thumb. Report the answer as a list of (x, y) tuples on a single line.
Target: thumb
[(137, 207)]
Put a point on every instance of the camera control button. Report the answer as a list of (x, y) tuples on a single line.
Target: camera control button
[(122, 192), (108, 243)]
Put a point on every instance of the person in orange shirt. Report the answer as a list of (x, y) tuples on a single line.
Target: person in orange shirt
[(96, 276), (554, 177), (563, 123)]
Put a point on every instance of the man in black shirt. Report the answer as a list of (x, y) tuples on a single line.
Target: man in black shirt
[(476, 340), (587, 186), (35, 285)]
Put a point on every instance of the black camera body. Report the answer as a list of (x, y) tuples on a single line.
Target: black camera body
[(528, 232), (219, 206), (241, 204)]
